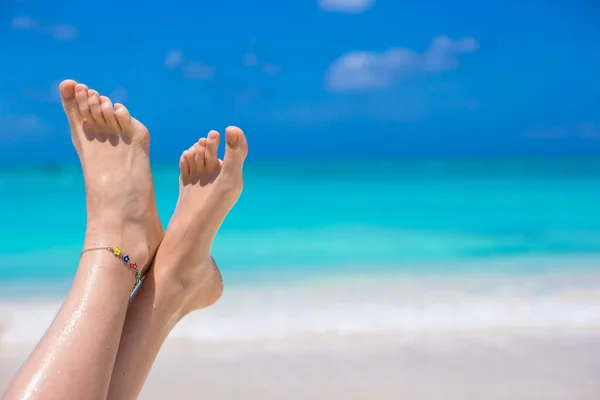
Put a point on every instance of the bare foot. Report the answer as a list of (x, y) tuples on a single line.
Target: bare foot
[(209, 189), (113, 149)]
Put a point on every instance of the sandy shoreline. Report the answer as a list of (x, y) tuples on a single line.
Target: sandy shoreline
[(502, 337), (481, 365)]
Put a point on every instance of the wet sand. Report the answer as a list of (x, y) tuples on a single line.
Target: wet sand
[(492, 364)]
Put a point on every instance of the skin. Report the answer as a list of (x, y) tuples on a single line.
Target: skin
[(185, 277), (75, 357)]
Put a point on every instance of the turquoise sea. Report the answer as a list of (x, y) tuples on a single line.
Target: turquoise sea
[(335, 217), (353, 246)]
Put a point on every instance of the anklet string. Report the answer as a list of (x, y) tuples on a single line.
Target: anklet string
[(123, 257)]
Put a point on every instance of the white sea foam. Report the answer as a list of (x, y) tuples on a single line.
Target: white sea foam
[(364, 307)]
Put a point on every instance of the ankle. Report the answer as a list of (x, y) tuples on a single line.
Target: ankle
[(201, 288), (130, 241)]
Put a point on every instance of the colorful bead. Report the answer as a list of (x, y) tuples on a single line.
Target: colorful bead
[(117, 252)]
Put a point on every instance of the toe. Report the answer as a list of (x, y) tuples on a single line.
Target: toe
[(95, 110), (184, 166), (190, 156), (123, 117), (131, 127), (109, 114), (81, 95), (67, 97), (210, 155), (201, 156), (236, 150)]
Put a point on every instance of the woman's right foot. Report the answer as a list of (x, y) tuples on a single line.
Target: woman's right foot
[(209, 188), (113, 149)]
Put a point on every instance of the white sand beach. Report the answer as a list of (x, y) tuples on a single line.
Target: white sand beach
[(487, 365), (520, 337)]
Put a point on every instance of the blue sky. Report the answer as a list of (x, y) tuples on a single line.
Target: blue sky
[(313, 78)]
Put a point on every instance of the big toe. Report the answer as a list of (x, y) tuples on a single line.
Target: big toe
[(236, 150), (69, 102)]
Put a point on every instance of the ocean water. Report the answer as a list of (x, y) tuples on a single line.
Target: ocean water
[(313, 222), (335, 216)]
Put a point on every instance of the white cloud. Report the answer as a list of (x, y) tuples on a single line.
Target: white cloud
[(363, 70), (24, 23), (250, 59), (189, 68), (198, 71), (174, 59), (246, 96), (58, 32), (63, 32), (54, 90), (49, 93), (119, 95), (346, 6), (272, 69), (441, 54), (20, 124)]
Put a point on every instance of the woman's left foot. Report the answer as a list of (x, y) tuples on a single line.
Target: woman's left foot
[(209, 188)]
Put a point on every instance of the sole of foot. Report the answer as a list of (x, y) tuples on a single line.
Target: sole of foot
[(113, 149), (209, 188)]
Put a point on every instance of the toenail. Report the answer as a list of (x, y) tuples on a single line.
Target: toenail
[(234, 141)]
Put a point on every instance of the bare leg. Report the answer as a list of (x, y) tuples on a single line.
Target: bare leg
[(75, 358), (184, 277)]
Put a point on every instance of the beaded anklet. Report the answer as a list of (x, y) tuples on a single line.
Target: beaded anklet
[(123, 257)]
